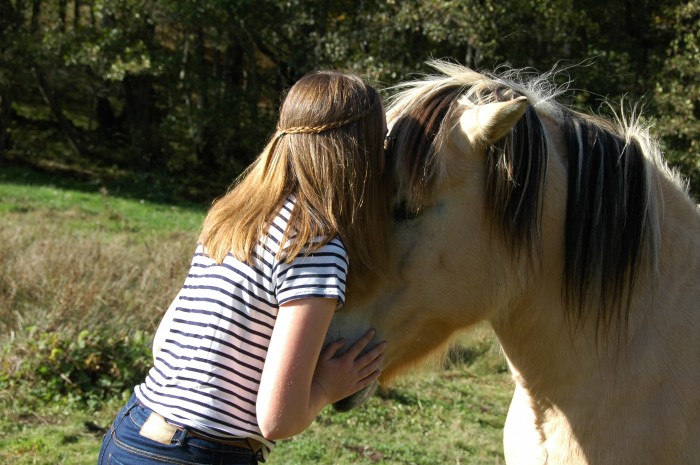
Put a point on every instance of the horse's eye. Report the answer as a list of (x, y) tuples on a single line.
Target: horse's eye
[(403, 213)]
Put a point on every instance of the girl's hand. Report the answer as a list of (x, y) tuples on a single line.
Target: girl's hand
[(300, 377), (341, 375)]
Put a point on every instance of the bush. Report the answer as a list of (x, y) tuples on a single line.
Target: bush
[(86, 368), (81, 293)]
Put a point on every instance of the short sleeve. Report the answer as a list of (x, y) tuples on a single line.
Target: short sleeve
[(321, 273)]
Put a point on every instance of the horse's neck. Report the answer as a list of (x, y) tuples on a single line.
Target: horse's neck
[(679, 241), (591, 388), (540, 343)]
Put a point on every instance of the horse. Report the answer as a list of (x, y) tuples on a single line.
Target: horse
[(570, 236)]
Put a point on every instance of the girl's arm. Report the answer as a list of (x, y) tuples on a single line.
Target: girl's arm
[(298, 379)]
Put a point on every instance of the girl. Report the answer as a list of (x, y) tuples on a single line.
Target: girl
[(238, 358)]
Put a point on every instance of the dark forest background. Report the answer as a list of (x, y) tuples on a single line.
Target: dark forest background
[(179, 95)]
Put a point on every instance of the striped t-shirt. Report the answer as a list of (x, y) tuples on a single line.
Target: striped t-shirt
[(207, 374)]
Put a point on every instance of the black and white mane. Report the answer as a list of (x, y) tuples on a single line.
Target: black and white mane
[(612, 218)]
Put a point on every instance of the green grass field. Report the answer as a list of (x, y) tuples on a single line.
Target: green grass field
[(86, 276)]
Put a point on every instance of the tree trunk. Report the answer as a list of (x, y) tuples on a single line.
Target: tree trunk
[(231, 75), (54, 104), (104, 114), (200, 112), (76, 14), (143, 120), (62, 11), (36, 12), (201, 71), (249, 78), (5, 119), (141, 111)]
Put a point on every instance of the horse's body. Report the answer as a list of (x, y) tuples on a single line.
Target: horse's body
[(573, 240)]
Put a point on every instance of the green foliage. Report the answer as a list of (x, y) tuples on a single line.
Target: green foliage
[(188, 91), (677, 92), (86, 368)]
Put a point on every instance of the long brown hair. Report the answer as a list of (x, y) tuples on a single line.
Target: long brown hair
[(327, 152)]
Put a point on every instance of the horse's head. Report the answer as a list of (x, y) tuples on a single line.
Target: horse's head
[(445, 272), (477, 233)]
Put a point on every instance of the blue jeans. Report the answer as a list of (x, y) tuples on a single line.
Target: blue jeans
[(123, 445)]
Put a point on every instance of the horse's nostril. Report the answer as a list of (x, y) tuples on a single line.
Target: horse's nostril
[(356, 399)]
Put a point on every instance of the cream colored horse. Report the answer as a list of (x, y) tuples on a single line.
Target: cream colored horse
[(571, 238)]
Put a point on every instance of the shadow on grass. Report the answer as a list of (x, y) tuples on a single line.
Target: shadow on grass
[(157, 188)]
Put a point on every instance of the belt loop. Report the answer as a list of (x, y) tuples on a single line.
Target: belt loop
[(250, 445), (183, 435), (134, 403), (125, 411), (131, 407)]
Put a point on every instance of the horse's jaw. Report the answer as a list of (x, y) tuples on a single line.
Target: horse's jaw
[(359, 398), (350, 324)]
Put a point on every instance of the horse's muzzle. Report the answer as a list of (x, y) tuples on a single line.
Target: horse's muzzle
[(359, 398)]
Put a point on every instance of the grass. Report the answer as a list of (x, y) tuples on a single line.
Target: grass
[(85, 270), (452, 416), (55, 435), (435, 416), (82, 207)]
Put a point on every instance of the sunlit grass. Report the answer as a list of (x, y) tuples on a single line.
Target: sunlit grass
[(78, 211), (431, 416), (52, 436)]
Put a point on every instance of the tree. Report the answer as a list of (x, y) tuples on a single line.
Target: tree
[(189, 90), (677, 91)]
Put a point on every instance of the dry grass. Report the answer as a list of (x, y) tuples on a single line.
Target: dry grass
[(57, 281)]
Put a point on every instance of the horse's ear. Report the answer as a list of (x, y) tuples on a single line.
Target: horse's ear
[(488, 123)]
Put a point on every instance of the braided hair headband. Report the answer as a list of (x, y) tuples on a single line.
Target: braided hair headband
[(325, 127)]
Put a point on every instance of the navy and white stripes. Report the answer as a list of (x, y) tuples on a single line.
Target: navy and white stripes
[(207, 373)]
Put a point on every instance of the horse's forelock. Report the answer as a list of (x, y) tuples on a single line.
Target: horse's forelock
[(419, 109), (422, 115), (419, 130)]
